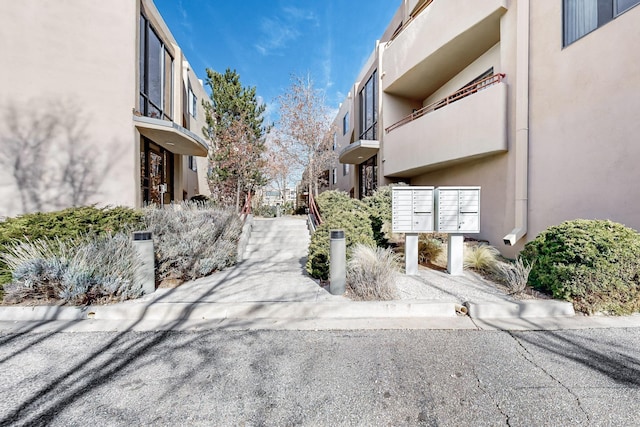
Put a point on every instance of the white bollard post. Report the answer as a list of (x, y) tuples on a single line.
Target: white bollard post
[(143, 245), (411, 254), (455, 255), (337, 262)]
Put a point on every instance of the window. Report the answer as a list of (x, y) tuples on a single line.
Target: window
[(192, 163), (368, 177), (335, 142), (369, 109), (345, 169), (583, 16), (192, 102), (156, 74), (334, 178), (345, 124)]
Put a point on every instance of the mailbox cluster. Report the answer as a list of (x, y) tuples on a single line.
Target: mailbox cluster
[(444, 209)]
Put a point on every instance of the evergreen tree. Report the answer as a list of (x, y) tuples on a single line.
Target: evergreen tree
[(235, 126)]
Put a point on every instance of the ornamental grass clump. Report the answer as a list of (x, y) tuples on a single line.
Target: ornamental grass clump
[(371, 274), (481, 257), (515, 276), (192, 241), (595, 264)]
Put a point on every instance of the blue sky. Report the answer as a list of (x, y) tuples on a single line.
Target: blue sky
[(268, 40)]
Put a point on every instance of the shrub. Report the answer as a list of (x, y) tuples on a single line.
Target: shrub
[(338, 211), (379, 206), (480, 257), (67, 224), (371, 273), (192, 241), (65, 270), (515, 276), (593, 263), (265, 211)]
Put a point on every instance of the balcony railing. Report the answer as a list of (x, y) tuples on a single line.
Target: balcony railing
[(456, 96), (415, 13)]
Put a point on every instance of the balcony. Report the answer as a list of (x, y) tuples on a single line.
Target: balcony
[(359, 151), (467, 125), (171, 136), (438, 43)]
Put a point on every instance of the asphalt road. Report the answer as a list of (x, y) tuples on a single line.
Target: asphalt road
[(377, 378)]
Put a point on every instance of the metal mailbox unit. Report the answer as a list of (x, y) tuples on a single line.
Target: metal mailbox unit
[(412, 213), (412, 209), (457, 209), (457, 212)]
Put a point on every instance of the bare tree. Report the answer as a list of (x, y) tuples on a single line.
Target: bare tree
[(304, 129), (47, 153)]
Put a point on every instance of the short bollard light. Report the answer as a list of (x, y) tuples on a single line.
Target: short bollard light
[(143, 244), (337, 263)]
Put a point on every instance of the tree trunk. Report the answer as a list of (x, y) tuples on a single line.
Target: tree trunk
[(238, 197)]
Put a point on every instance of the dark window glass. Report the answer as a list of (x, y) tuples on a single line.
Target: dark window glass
[(345, 124), (583, 16), (156, 74), (368, 109)]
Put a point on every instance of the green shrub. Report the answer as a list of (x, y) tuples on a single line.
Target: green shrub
[(371, 273), (65, 225), (593, 263), (338, 211), (265, 211), (379, 205)]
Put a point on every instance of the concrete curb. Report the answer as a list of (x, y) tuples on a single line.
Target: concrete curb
[(244, 237), (520, 309), (245, 311)]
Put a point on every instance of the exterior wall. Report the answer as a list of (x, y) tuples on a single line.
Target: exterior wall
[(584, 122), (81, 55), (345, 182), (78, 61)]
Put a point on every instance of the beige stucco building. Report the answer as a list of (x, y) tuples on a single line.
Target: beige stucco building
[(535, 101), (99, 105)]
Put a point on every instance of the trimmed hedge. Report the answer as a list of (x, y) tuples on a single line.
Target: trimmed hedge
[(595, 264), (338, 211)]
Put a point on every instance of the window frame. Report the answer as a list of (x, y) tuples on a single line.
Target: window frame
[(345, 123), (149, 107), (607, 11), (369, 131)]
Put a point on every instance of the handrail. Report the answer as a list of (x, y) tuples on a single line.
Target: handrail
[(456, 96), (246, 209), (313, 210), (413, 15)]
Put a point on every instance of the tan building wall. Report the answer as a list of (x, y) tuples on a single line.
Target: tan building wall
[(552, 140), (77, 61)]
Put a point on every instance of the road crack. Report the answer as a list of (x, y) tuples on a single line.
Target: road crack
[(526, 354), (494, 401)]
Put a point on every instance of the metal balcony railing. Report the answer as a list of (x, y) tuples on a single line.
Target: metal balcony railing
[(456, 96)]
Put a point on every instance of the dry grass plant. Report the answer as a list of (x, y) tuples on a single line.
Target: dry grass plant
[(371, 274), (481, 257), (515, 276)]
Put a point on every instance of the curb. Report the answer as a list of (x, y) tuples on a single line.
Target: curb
[(259, 310), (520, 309)]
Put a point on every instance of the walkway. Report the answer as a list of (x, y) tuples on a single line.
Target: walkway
[(272, 271)]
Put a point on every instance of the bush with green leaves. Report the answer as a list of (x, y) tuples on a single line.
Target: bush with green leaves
[(64, 225), (192, 241), (379, 205), (338, 211), (52, 269), (371, 273), (593, 263)]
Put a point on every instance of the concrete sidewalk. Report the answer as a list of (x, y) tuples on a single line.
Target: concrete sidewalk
[(269, 289)]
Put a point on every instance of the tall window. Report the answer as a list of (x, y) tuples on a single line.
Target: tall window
[(334, 177), (345, 124), (192, 102), (345, 169), (369, 109), (156, 74), (368, 177), (583, 16)]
